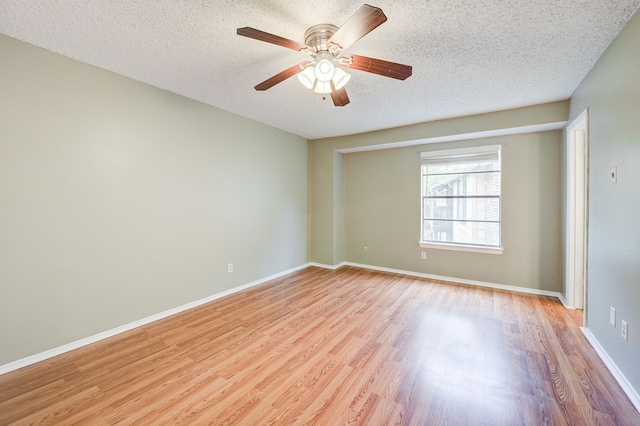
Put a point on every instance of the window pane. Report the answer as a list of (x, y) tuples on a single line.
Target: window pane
[(462, 209), (447, 231), (461, 196), (461, 184)]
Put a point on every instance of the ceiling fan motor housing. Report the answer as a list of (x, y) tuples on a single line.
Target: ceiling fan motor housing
[(318, 35)]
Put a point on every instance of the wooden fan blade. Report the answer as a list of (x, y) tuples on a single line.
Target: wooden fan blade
[(281, 76), (271, 38), (365, 20), (339, 97), (380, 67)]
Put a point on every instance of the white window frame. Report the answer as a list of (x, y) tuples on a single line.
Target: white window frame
[(453, 246)]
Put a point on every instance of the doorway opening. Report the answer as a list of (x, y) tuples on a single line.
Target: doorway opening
[(577, 212)]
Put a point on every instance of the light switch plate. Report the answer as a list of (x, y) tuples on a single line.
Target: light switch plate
[(612, 316)]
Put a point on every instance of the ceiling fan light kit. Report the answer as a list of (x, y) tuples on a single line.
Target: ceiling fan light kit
[(319, 74), (325, 43)]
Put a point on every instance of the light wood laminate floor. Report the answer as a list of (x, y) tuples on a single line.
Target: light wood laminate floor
[(322, 347)]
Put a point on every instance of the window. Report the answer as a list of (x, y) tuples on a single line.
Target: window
[(461, 199)]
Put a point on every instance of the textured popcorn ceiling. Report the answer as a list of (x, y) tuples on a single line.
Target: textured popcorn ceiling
[(468, 56)]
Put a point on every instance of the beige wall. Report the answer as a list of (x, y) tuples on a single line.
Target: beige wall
[(382, 212), (119, 200), (381, 187), (611, 92)]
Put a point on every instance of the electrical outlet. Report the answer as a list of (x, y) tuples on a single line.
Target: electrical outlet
[(230, 267), (614, 175), (423, 254), (625, 330), (612, 315)]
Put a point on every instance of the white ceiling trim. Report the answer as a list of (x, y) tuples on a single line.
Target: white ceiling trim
[(544, 127)]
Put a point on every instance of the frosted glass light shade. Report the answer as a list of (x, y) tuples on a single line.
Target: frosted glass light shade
[(340, 78), (324, 70), (323, 86), (307, 77)]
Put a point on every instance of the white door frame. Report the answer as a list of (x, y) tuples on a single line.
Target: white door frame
[(577, 211)]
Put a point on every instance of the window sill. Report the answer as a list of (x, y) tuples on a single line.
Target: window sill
[(461, 247)]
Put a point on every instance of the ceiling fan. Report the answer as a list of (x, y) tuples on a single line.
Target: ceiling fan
[(326, 43)]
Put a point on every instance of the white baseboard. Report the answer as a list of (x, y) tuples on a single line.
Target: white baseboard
[(564, 302), (610, 364), (325, 266), (24, 362), (109, 333), (460, 280), (626, 386)]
